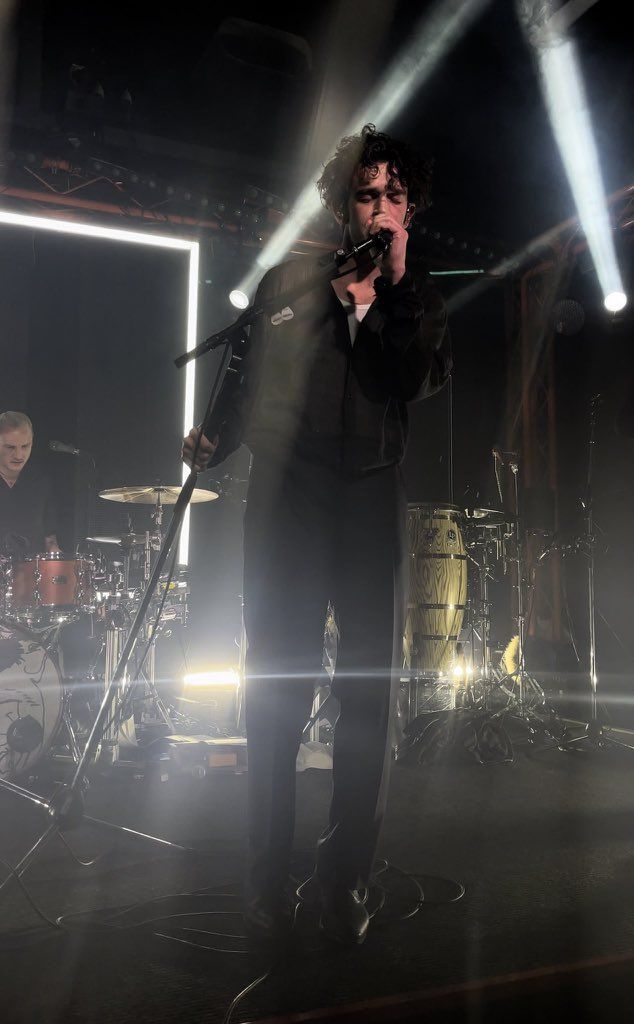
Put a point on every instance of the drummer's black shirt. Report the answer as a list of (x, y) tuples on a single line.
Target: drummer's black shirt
[(27, 511)]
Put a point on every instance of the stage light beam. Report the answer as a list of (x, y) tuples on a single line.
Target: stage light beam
[(565, 98), (437, 31)]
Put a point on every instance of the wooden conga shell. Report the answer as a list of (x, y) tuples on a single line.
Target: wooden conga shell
[(437, 588)]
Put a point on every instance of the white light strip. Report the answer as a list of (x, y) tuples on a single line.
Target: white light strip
[(158, 242), (69, 227), (190, 384)]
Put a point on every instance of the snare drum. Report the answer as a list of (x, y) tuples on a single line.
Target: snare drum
[(49, 588)]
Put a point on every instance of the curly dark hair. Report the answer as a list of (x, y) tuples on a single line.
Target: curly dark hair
[(368, 149)]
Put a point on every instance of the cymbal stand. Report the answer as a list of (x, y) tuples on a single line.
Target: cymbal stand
[(525, 693), (144, 676), (596, 732), (481, 621)]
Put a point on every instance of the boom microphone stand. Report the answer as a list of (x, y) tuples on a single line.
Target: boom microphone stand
[(65, 808)]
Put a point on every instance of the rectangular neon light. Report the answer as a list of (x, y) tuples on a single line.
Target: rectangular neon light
[(185, 245)]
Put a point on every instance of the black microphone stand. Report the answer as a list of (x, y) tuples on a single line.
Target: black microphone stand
[(65, 809)]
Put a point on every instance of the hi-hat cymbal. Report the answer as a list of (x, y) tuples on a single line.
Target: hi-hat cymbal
[(152, 495), (126, 540), (487, 516)]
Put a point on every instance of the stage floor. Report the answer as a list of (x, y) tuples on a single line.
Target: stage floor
[(544, 848)]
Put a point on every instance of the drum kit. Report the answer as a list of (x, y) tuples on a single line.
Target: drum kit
[(40, 596), (448, 655)]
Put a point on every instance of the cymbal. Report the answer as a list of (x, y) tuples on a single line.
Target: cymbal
[(487, 516), (128, 539), (151, 495)]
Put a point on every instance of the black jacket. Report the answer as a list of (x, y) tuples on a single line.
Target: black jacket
[(301, 386)]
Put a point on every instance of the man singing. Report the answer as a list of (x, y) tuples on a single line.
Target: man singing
[(321, 402)]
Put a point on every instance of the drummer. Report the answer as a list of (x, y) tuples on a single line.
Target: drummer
[(27, 512)]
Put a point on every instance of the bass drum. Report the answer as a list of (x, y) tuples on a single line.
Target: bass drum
[(437, 588), (31, 699)]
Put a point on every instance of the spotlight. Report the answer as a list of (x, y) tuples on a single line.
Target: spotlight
[(238, 299), (615, 301), (568, 109)]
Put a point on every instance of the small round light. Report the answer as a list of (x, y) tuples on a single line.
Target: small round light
[(615, 302), (238, 299)]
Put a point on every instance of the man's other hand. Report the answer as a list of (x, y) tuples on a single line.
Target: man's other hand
[(206, 449)]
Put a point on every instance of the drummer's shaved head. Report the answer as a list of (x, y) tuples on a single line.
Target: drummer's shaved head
[(14, 421)]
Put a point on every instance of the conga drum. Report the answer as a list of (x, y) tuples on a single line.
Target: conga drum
[(437, 588)]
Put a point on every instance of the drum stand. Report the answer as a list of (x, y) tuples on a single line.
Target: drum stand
[(526, 703)]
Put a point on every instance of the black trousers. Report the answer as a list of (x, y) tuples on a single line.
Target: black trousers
[(311, 536)]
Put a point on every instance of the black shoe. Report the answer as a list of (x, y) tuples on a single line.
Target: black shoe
[(344, 917)]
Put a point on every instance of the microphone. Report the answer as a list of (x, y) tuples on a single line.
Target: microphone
[(64, 449), (381, 241)]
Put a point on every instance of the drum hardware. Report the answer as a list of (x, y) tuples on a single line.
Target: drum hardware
[(45, 593), (166, 495), (141, 691), (522, 698), (472, 701), (35, 713), (49, 588), (125, 541)]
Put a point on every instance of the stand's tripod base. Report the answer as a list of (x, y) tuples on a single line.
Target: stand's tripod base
[(436, 735), (481, 730), (548, 726), (595, 736), (64, 811)]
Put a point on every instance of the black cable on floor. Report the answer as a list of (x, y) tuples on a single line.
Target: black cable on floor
[(114, 920), (38, 910)]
